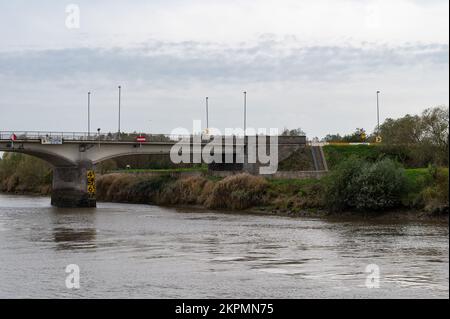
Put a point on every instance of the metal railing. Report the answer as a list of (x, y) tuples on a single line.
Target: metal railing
[(123, 137), (84, 136), (96, 137)]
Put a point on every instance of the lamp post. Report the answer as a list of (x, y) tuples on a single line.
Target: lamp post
[(118, 131), (378, 113), (245, 113), (89, 114), (207, 116)]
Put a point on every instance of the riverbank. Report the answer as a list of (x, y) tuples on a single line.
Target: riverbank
[(419, 192), (353, 188), (257, 195)]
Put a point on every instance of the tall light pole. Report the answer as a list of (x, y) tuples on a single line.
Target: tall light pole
[(118, 131), (245, 113), (89, 114), (378, 113), (207, 116)]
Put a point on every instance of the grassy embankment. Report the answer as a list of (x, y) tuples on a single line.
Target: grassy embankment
[(418, 189)]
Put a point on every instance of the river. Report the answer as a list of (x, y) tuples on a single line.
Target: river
[(140, 251)]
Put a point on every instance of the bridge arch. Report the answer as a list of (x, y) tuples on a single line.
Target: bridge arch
[(114, 156), (53, 159)]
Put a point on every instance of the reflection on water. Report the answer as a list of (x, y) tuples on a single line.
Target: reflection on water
[(133, 251), (74, 230), (69, 238)]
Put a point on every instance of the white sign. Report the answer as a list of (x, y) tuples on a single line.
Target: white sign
[(52, 140)]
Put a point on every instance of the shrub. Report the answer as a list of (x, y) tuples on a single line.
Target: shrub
[(381, 186), (237, 192), (357, 184), (148, 190), (435, 196), (184, 191)]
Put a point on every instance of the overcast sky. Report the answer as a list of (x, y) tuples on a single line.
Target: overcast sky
[(310, 64)]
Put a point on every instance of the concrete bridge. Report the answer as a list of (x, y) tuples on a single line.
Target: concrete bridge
[(73, 156)]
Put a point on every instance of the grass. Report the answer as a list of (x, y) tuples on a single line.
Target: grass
[(165, 170), (416, 173), (336, 154)]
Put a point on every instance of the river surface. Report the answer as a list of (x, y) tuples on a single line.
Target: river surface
[(140, 251)]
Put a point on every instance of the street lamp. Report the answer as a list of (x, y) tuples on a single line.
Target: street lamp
[(378, 113), (118, 131), (207, 116), (245, 113), (89, 114)]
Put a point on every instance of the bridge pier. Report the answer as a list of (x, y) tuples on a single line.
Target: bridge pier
[(70, 186)]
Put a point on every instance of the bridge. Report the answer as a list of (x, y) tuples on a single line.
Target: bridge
[(73, 155)]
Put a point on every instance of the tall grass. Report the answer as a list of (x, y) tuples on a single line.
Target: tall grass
[(237, 192), (234, 192)]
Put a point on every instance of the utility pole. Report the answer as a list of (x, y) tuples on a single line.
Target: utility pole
[(118, 131), (89, 114)]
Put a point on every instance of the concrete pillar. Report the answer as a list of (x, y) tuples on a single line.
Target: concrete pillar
[(70, 186)]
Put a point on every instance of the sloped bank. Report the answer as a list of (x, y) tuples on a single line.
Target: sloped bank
[(292, 197)]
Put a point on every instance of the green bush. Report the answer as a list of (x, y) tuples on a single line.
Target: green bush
[(361, 185), (434, 197)]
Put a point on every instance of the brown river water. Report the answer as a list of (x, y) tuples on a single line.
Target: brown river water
[(140, 251)]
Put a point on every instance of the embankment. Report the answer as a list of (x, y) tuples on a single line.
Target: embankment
[(354, 186), (421, 196)]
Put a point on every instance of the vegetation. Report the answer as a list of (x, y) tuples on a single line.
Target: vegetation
[(413, 140), (234, 192), (365, 186), (336, 154), (21, 173), (356, 185), (300, 160)]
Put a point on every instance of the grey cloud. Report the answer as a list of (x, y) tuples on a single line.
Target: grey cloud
[(265, 61)]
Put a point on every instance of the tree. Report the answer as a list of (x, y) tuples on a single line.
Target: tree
[(435, 130), (293, 132), (426, 136), (405, 130)]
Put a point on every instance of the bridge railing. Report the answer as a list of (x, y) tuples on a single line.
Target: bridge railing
[(37, 135), (92, 137), (123, 137)]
